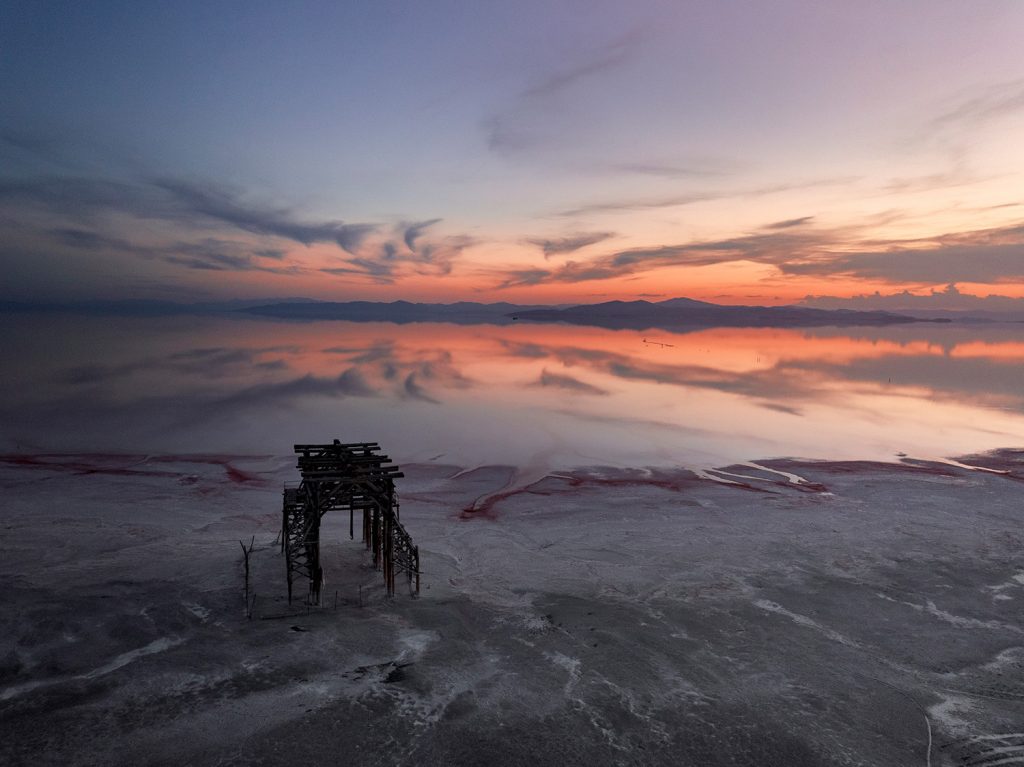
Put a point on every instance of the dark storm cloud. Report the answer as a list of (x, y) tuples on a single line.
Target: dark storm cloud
[(571, 243)]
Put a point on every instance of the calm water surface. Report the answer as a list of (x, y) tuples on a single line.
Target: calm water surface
[(530, 395)]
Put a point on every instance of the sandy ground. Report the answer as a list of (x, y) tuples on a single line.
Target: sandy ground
[(784, 613)]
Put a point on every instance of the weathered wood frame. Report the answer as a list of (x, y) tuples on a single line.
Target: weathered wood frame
[(353, 476)]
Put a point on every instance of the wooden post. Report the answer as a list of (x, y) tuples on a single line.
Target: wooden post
[(245, 554), (284, 522)]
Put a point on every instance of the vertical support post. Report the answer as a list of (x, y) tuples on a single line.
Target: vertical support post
[(389, 576), (288, 572), (284, 518), (376, 536)]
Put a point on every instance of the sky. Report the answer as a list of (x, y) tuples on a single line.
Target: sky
[(536, 152)]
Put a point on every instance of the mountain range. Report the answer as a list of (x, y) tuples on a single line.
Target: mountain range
[(637, 315)]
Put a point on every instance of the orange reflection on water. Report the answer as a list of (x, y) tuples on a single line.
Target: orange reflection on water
[(506, 393)]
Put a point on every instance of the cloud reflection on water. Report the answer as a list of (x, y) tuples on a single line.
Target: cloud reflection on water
[(482, 394)]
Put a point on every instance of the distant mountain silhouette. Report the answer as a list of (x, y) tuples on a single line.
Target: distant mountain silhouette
[(687, 313), (141, 307), (683, 303), (462, 312), (674, 313)]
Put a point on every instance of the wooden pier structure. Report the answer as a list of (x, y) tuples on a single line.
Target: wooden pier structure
[(335, 477)]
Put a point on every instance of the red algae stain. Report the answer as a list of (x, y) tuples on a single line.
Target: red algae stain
[(1008, 462), (484, 509), (866, 467), (127, 464), (803, 487), (98, 463), (232, 472), (484, 506), (241, 477)]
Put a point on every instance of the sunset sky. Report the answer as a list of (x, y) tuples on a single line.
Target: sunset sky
[(740, 152)]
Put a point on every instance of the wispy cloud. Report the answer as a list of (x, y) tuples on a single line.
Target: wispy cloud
[(692, 198), (205, 362), (965, 262), (766, 247), (80, 210), (789, 223), (769, 385), (516, 127), (696, 169), (385, 261), (82, 196), (214, 255), (413, 390), (569, 244), (796, 248), (208, 254), (556, 381), (989, 103), (411, 232), (180, 201), (220, 204)]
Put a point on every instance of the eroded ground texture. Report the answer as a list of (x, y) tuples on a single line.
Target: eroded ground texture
[(785, 613)]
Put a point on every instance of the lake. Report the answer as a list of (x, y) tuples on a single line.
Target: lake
[(537, 396)]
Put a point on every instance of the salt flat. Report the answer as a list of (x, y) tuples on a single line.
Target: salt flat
[(781, 612)]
